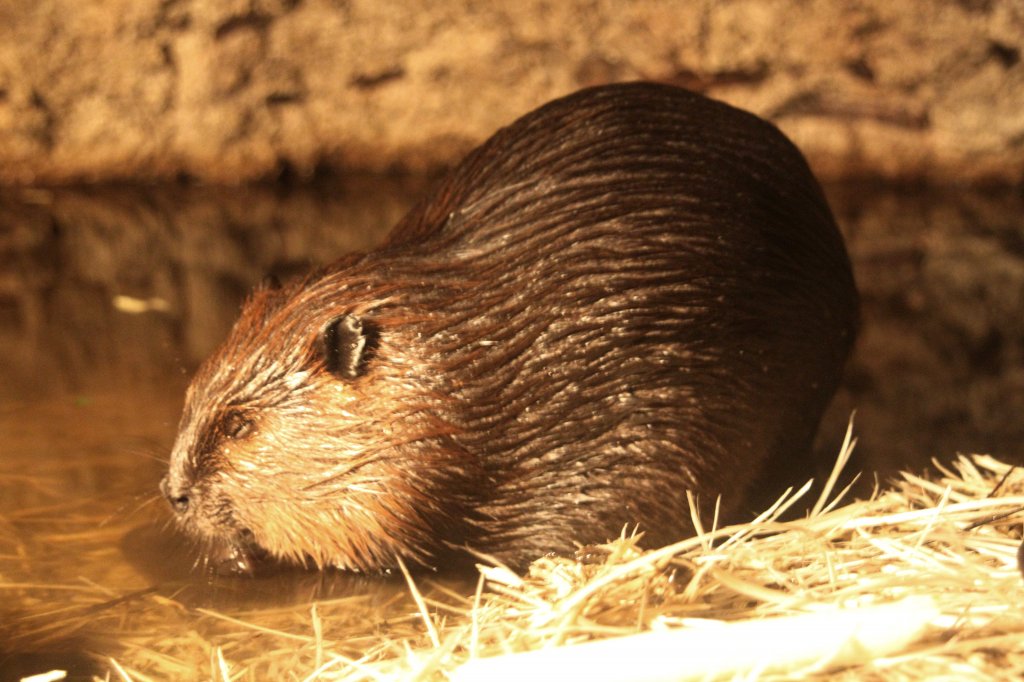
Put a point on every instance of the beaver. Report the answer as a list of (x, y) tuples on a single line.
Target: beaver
[(629, 293)]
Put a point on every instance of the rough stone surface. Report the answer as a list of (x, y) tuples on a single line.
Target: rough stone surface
[(233, 90)]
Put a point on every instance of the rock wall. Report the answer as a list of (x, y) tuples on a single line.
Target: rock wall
[(234, 90)]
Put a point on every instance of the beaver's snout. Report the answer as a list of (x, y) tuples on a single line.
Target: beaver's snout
[(179, 500)]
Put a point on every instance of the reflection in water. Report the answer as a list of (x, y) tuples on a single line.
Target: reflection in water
[(169, 561), (186, 255), (109, 298)]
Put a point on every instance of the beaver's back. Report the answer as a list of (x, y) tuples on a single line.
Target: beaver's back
[(655, 298)]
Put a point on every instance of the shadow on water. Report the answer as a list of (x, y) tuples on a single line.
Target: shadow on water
[(110, 297)]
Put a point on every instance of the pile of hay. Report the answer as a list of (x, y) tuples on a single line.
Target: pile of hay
[(920, 581)]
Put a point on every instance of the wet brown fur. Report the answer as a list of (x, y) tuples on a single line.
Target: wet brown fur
[(628, 293)]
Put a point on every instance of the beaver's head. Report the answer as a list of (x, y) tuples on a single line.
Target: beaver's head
[(310, 435)]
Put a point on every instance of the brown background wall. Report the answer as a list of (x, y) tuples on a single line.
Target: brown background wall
[(233, 90)]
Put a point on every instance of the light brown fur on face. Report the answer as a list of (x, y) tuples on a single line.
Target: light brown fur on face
[(352, 482), (627, 295), (317, 453)]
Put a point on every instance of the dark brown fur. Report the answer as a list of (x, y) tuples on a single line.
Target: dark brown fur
[(629, 293)]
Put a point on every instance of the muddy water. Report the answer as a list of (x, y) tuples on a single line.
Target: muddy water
[(109, 299)]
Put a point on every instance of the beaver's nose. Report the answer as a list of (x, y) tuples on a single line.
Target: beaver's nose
[(177, 499)]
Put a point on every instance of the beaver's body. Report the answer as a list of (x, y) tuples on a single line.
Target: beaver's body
[(629, 293)]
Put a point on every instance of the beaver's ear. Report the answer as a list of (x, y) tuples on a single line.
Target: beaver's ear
[(347, 344)]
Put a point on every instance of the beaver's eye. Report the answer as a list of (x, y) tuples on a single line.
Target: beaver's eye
[(236, 425)]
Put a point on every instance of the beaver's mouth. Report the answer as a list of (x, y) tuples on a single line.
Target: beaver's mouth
[(235, 555)]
